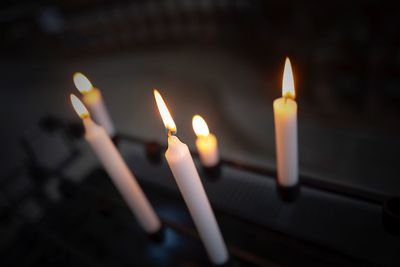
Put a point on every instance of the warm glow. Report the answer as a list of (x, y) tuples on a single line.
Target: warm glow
[(288, 81), (200, 126), (82, 83), (79, 107), (165, 115)]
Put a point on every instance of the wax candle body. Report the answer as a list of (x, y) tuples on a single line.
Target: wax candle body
[(189, 183), (207, 146), (122, 177), (285, 115), (94, 101)]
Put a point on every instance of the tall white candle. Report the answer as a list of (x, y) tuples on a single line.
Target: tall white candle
[(117, 169), (93, 99), (206, 142), (285, 116), (182, 166)]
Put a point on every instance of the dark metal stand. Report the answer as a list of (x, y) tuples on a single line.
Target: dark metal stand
[(288, 193)]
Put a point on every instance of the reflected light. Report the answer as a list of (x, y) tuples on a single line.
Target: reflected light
[(200, 126), (288, 81)]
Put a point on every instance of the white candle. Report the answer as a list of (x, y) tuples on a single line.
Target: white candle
[(206, 142), (285, 115), (182, 166), (117, 169), (93, 99)]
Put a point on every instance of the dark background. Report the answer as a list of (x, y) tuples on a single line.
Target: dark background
[(223, 60), (220, 59)]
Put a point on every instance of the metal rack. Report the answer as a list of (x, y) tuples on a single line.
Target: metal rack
[(329, 224)]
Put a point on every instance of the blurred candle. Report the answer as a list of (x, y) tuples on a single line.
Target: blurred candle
[(182, 166), (206, 142), (93, 99), (117, 169), (285, 116)]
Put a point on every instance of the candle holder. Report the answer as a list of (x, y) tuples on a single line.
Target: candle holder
[(229, 263), (288, 193), (213, 172), (391, 215), (158, 236)]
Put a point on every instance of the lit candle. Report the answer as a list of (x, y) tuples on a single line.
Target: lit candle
[(93, 99), (182, 166), (206, 142), (117, 169), (285, 115)]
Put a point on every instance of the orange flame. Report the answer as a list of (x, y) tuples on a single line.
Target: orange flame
[(165, 114)]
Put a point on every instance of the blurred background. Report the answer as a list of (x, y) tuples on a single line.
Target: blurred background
[(222, 59)]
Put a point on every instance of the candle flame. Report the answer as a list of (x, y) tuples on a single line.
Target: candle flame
[(288, 81), (165, 115), (79, 107), (82, 83), (200, 126)]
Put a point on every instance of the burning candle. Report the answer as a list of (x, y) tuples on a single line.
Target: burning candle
[(93, 99), (285, 115), (117, 169), (182, 166), (206, 142)]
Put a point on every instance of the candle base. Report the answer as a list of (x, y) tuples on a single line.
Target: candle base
[(158, 236), (391, 215), (153, 152), (213, 172), (289, 193), (229, 263)]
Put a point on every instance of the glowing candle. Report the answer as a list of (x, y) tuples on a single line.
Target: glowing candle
[(182, 166), (117, 169), (93, 99), (206, 142), (285, 115)]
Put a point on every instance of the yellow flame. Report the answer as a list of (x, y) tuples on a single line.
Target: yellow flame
[(200, 126), (165, 115), (82, 83), (288, 81), (79, 107)]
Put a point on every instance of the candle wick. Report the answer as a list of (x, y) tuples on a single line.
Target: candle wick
[(285, 97), (170, 132)]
